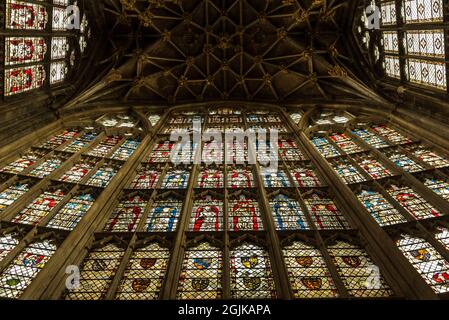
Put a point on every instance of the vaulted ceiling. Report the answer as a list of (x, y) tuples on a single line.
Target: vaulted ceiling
[(176, 51)]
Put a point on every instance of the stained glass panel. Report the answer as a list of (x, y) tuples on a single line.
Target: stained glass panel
[(176, 179), (305, 177), (12, 194), (373, 167), (146, 178), (21, 50), (345, 143), (144, 274), (23, 163), (37, 210), (47, 167), (380, 209), (210, 178), (97, 273), (126, 215), (287, 214), (25, 16), (324, 212), (164, 215), (347, 171), (72, 212), (325, 147), (103, 176), (356, 271), (370, 138), (126, 149), (7, 243), (244, 215), (240, 178), (79, 171), (251, 275), (412, 202), (439, 186), (24, 79), (59, 139), (403, 161), (105, 147), (308, 273), (19, 274), (201, 273), (278, 179), (427, 261), (207, 215)]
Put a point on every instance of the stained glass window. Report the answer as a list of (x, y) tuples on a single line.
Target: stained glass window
[(207, 215), (244, 215), (412, 202), (33, 51), (380, 209), (201, 273), (24, 50), (424, 49), (19, 274), (420, 11), (324, 212), (356, 271), (72, 212), (251, 275), (164, 215), (210, 178), (12, 194), (60, 139), (146, 178), (97, 272), (427, 261), (144, 274), (37, 210), (308, 273), (126, 215), (240, 178), (287, 213), (388, 10)]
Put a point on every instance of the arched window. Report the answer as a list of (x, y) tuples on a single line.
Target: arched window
[(413, 41), (44, 43), (110, 180)]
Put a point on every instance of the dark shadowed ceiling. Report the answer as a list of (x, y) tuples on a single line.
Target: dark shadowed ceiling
[(199, 50)]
